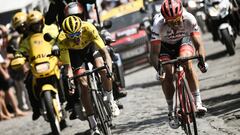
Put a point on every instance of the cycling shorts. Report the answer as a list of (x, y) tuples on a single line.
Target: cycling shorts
[(171, 51), (79, 56)]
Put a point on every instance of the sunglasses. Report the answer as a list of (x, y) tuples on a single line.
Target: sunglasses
[(175, 22), (74, 35)]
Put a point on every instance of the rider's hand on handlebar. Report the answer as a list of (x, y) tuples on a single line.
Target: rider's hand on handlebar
[(203, 67), (71, 88)]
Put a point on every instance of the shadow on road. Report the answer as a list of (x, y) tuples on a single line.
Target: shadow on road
[(158, 121), (136, 69), (217, 55), (143, 85), (87, 132), (233, 82), (223, 104)]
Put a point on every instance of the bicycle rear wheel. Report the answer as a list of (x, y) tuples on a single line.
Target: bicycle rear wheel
[(188, 110)]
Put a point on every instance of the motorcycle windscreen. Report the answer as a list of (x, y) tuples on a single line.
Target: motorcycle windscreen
[(39, 48)]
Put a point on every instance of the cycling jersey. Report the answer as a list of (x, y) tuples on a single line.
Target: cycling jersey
[(161, 31), (89, 35)]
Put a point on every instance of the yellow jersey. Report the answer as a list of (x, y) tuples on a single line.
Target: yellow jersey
[(89, 35)]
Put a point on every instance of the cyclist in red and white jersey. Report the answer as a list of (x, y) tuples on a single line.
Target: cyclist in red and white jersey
[(175, 33)]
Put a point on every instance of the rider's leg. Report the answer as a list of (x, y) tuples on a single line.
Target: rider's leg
[(107, 85), (33, 101), (86, 99), (166, 54), (191, 74), (77, 58), (168, 86)]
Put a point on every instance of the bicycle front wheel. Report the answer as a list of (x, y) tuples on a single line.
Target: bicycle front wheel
[(101, 113), (188, 110)]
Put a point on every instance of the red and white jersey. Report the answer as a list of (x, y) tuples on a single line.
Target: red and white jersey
[(161, 31)]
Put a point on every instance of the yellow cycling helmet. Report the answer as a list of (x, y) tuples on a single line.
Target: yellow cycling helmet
[(35, 17), (72, 24), (19, 19)]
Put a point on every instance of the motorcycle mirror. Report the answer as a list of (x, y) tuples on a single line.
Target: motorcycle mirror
[(47, 37), (107, 24)]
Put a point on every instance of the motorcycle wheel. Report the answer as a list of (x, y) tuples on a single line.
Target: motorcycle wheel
[(52, 118), (229, 42)]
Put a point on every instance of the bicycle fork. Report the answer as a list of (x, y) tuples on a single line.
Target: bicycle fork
[(183, 108)]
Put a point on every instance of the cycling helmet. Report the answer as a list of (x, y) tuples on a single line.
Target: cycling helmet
[(73, 8), (72, 24), (171, 9), (35, 17), (19, 19)]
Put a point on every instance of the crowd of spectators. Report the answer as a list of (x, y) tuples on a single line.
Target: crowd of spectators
[(14, 100), (13, 96)]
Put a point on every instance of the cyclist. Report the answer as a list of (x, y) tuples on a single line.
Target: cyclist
[(80, 40), (175, 33), (35, 22)]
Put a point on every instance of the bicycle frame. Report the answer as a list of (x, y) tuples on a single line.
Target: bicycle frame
[(185, 112), (102, 115), (179, 94)]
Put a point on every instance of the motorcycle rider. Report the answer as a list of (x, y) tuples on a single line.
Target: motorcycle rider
[(175, 33), (78, 41), (19, 23), (35, 22), (57, 7)]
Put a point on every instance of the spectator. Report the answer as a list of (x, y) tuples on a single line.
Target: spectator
[(4, 113), (6, 82)]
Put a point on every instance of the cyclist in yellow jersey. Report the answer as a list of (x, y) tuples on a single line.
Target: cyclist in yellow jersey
[(80, 42), (35, 22)]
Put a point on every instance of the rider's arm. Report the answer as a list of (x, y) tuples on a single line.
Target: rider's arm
[(195, 35), (197, 41), (155, 44), (64, 54), (154, 52), (102, 48)]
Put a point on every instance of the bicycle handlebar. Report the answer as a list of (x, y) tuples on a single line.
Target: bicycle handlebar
[(182, 59), (178, 60), (89, 72)]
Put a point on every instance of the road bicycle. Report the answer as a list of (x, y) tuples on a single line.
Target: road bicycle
[(101, 107), (184, 105)]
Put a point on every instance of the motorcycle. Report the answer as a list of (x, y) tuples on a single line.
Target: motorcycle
[(222, 22), (196, 7), (47, 86)]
